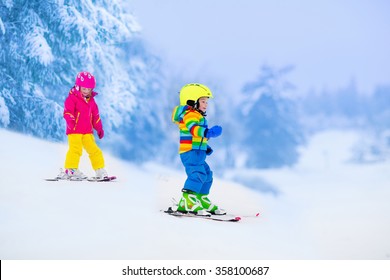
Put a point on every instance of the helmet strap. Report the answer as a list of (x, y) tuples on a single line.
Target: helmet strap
[(201, 112)]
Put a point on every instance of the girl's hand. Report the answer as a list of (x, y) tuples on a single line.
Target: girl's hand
[(100, 133)]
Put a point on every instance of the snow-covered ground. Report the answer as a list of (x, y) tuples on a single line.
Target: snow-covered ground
[(323, 208)]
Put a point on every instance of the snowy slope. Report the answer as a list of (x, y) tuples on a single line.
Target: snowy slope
[(324, 209)]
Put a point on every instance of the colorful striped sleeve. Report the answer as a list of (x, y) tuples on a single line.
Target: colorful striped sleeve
[(192, 122), (175, 114)]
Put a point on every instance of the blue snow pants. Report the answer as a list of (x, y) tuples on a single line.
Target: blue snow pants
[(199, 175)]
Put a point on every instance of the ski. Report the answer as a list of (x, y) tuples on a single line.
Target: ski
[(255, 215), (89, 179), (251, 216), (105, 179), (220, 218), (56, 179)]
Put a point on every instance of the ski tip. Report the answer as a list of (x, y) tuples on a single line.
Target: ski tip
[(237, 219), (257, 215)]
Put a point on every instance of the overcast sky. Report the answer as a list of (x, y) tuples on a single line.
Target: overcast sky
[(330, 42)]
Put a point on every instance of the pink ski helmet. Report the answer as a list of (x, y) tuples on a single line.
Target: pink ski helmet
[(85, 79)]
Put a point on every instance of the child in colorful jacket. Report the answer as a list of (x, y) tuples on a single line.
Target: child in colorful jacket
[(81, 114), (193, 148)]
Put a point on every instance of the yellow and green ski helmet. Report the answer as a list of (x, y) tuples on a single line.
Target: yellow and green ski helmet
[(192, 92)]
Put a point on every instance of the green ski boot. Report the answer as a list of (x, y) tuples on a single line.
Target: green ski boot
[(209, 206), (190, 203)]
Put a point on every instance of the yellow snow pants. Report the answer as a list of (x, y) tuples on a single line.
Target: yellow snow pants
[(76, 144)]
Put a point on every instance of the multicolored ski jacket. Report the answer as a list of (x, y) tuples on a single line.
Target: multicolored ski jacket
[(192, 127), (81, 115)]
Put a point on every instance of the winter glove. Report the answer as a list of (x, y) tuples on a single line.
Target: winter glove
[(100, 133), (215, 131), (209, 151)]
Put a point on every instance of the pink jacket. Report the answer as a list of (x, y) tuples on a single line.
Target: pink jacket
[(81, 115)]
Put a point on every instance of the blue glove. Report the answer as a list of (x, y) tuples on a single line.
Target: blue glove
[(209, 151), (215, 131)]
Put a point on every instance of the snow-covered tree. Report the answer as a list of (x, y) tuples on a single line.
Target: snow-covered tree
[(43, 44), (270, 127)]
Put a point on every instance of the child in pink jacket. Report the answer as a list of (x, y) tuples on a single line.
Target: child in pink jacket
[(82, 116)]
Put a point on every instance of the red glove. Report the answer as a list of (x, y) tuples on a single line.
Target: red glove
[(100, 133)]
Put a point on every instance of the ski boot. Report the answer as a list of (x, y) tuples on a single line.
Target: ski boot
[(101, 173), (190, 203), (62, 175), (209, 206), (74, 174)]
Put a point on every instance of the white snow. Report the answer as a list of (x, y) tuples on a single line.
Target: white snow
[(4, 113), (37, 46), (8, 4), (2, 28), (325, 208)]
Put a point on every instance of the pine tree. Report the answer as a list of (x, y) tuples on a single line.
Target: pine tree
[(271, 130)]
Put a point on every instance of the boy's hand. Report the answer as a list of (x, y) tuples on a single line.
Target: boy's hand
[(215, 131)]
